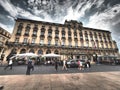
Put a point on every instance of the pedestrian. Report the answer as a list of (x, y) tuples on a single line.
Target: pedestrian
[(81, 65), (1, 59), (56, 65), (29, 67), (78, 64), (10, 63), (33, 63), (88, 64), (64, 65)]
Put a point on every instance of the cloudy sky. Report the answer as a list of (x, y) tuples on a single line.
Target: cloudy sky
[(100, 14)]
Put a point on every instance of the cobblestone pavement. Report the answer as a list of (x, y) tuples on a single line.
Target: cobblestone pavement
[(73, 81), (98, 77), (21, 70)]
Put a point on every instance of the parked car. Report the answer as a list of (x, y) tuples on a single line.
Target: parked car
[(74, 63), (21, 62)]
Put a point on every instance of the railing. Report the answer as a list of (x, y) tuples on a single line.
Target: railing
[(57, 45)]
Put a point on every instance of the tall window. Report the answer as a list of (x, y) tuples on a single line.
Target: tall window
[(33, 40), (16, 40), (41, 41), (27, 32), (82, 43), (49, 42), (25, 40), (63, 42), (102, 45), (87, 43), (70, 43), (34, 32), (56, 42), (76, 44)]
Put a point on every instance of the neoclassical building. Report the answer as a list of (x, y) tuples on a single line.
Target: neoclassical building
[(71, 40), (4, 36)]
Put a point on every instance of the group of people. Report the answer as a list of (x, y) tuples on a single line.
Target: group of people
[(30, 65), (81, 66)]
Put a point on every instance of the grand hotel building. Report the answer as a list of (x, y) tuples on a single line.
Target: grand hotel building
[(70, 40), (4, 36)]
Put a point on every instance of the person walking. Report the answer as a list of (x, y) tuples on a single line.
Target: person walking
[(29, 67), (78, 64), (56, 65), (2, 58), (10, 63), (33, 64), (64, 65), (88, 64), (81, 65)]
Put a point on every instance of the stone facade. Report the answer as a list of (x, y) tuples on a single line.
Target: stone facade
[(70, 40), (4, 36)]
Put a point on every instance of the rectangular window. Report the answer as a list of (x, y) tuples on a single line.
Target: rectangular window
[(56, 42), (33, 40), (76, 44), (49, 42), (63, 42), (41, 41), (16, 40), (27, 32), (102, 45), (87, 44), (70, 44), (34, 32), (25, 40), (82, 44)]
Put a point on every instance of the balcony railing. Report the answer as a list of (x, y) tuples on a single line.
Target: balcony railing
[(26, 44)]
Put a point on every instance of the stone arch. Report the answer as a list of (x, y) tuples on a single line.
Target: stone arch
[(23, 51), (40, 51), (48, 51), (32, 50), (56, 52)]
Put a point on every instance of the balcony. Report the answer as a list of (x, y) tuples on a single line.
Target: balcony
[(49, 35), (18, 33), (56, 36), (24, 43), (69, 37), (42, 35), (81, 39), (26, 34), (63, 36)]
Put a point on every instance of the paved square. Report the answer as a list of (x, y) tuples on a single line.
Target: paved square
[(79, 80)]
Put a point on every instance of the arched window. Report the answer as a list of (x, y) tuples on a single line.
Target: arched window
[(48, 51), (32, 51), (56, 52), (23, 51), (40, 52)]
